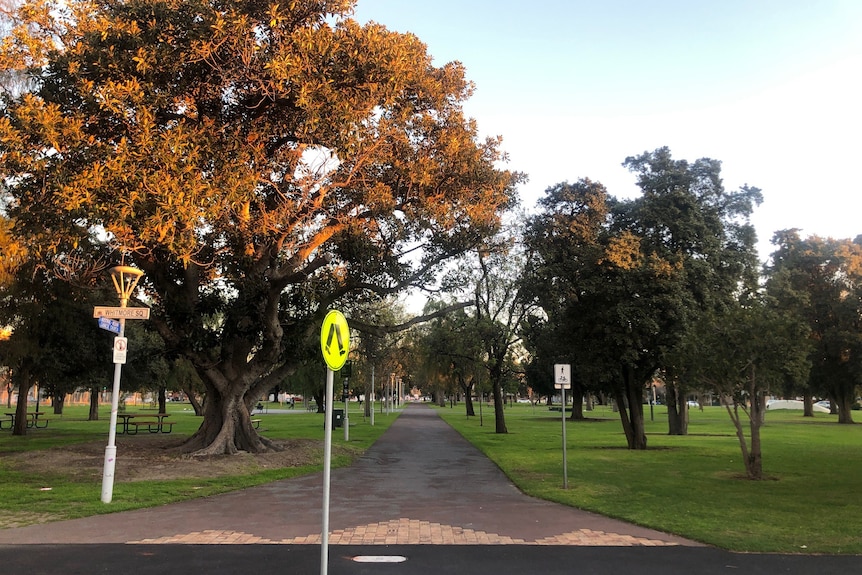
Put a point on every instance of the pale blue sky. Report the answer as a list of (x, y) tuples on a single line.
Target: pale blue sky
[(772, 88)]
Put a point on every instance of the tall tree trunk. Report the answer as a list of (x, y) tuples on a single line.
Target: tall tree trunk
[(497, 386), (163, 402), (844, 402), (677, 409), (577, 402), (630, 399), (94, 404), (368, 394), (467, 388), (58, 401), (807, 404), (23, 377), (754, 462)]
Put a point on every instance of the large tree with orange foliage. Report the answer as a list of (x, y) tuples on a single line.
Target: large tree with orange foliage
[(260, 161)]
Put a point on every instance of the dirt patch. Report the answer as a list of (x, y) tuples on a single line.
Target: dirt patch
[(150, 459)]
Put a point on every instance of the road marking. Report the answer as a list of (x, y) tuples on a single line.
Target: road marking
[(380, 559)]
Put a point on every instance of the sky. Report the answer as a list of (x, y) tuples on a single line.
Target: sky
[(771, 88)]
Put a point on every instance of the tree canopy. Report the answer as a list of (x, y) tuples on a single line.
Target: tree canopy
[(258, 161), (625, 281)]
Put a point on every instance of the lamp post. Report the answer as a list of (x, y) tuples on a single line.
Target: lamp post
[(125, 280)]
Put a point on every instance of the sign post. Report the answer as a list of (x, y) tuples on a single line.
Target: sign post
[(563, 381), (125, 280), (335, 345)]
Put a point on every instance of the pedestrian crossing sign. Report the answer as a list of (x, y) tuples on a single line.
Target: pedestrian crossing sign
[(335, 340)]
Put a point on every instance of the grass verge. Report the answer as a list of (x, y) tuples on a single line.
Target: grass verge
[(692, 485), (59, 493)]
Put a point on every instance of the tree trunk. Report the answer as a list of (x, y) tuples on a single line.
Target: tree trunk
[(497, 386), (163, 402), (368, 394), (844, 402), (577, 402), (227, 427), (94, 404), (754, 463), (677, 407), (318, 399), (468, 397), (20, 427), (807, 404), (193, 400), (58, 401), (630, 399)]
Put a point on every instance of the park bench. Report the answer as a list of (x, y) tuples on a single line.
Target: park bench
[(256, 423), (5, 420)]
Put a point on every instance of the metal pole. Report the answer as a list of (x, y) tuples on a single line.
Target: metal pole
[(111, 450), (371, 405), (346, 410), (327, 460), (565, 462)]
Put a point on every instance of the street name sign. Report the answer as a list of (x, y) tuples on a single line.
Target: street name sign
[(122, 312), (109, 324)]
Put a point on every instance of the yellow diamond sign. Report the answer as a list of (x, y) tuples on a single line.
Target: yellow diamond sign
[(335, 340)]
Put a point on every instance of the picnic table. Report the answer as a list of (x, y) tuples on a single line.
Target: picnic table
[(130, 423), (32, 419)]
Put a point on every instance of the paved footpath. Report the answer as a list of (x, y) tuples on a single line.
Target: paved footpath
[(421, 491)]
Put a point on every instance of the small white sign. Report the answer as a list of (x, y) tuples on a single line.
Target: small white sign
[(121, 344), (563, 376)]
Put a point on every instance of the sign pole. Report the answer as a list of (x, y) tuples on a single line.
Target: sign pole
[(111, 449), (565, 461), (327, 460), (335, 345), (346, 410), (125, 280), (563, 381)]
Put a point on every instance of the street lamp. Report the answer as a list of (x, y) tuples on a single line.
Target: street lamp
[(125, 280)]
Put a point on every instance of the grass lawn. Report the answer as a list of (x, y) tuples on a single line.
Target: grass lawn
[(25, 499), (692, 485)]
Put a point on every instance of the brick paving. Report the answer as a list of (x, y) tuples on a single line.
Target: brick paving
[(411, 532)]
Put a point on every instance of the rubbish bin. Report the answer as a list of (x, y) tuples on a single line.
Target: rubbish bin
[(337, 418)]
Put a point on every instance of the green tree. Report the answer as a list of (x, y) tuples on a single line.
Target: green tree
[(744, 352), (829, 272), (627, 280), (502, 308), (688, 219), (452, 352), (261, 162)]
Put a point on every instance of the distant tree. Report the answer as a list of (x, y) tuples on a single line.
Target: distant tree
[(829, 273), (452, 351), (261, 162), (502, 308)]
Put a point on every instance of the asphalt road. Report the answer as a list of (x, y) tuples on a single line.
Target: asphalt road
[(418, 560)]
